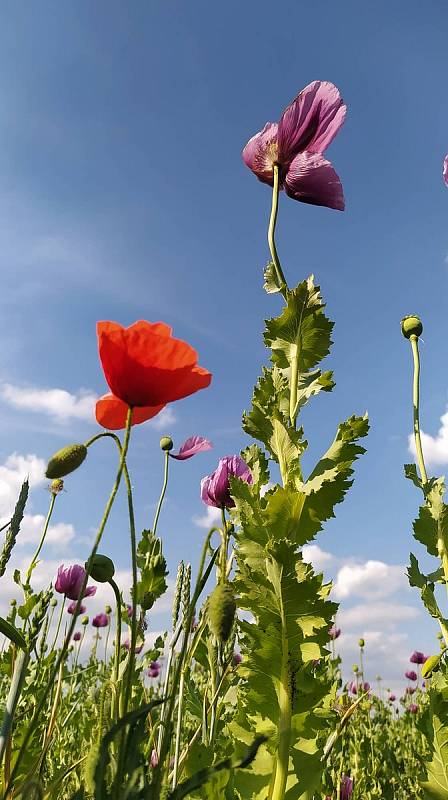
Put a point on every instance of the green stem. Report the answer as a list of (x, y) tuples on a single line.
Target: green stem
[(59, 623), (224, 548), (39, 707), (162, 493), (416, 404), (117, 632), (13, 698), (284, 723), (44, 533), (271, 233)]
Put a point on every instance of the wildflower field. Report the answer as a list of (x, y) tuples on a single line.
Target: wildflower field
[(244, 696)]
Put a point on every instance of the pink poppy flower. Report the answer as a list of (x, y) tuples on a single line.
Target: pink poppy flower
[(215, 488), (297, 143), (445, 170), (192, 445), (69, 582)]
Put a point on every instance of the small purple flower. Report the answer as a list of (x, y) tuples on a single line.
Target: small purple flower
[(417, 657), (129, 610), (237, 659), (296, 144), (154, 760), (100, 621), (363, 687), (392, 698), (71, 608), (215, 488), (76, 636), (69, 582), (346, 787), (445, 170), (410, 689), (413, 708), (334, 632), (411, 675), (193, 445), (154, 669)]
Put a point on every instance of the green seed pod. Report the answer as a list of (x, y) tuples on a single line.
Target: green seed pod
[(221, 611), (84, 620), (13, 602), (430, 665), (361, 643), (166, 444), (102, 569), (108, 609), (411, 326), (53, 602), (355, 668), (66, 460)]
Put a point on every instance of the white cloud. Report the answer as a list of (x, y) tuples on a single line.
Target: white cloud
[(320, 559), (59, 404), (373, 579), (211, 517), (12, 474), (164, 419), (58, 536), (384, 614), (435, 448)]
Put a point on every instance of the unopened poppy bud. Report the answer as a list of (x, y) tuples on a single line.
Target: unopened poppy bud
[(166, 444), (13, 602), (53, 602), (102, 568), (221, 611), (66, 460), (85, 621), (430, 665), (355, 668), (361, 643), (411, 326), (56, 486)]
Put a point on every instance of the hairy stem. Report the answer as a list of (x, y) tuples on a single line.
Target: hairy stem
[(416, 404), (162, 493), (271, 233)]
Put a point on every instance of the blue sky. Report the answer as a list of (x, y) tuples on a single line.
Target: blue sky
[(124, 196)]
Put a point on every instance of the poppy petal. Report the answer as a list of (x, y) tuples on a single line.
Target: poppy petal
[(445, 170), (261, 152), (311, 121), (312, 179), (192, 445), (112, 413)]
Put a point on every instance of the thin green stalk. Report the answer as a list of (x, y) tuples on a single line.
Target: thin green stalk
[(117, 632), (62, 653), (58, 627), (284, 723), (416, 404), (42, 539), (162, 493), (271, 233), (133, 642), (17, 681)]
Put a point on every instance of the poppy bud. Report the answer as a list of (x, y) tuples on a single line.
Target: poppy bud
[(166, 444), (66, 460), (108, 610), (411, 326), (85, 621), (13, 602), (361, 643), (355, 668), (53, 602), (56, 486), (102, 569), (221, 611)]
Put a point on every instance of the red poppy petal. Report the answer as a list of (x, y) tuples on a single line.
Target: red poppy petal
[(198, 378), (112, 413)]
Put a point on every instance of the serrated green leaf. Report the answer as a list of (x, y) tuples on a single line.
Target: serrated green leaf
[(301, 330), (436, 787), (12, 633), (271, 283)]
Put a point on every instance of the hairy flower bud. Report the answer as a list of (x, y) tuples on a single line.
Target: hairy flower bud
[(102, 569), (56, 486), (221, 611), (361, 643), (66, 460), (411, 326), (166, 444)]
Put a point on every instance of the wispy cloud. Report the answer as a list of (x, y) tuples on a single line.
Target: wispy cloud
[(60, 405), (12, 474), (164, 419), (435, 448), (210, 517)]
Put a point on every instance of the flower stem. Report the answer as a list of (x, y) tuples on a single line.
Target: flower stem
[(18, 678), (271, 234), (416, 404), (58, 627), (162, 493), (52, 677), (42, 539), (284, 723)]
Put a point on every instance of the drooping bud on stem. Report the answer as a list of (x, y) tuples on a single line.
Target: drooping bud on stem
[(102, 568), (66, 460)]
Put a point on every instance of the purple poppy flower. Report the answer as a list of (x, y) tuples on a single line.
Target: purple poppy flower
[(154, 669), (445, 170), (410, 689), (296, 144), (69, 582), (411, 675), (193, 445), (76, 636), (237, 659), (392, 698), (417, 657), (72, 607), (334, 632), (154, 760), (100, 621), (346, 787), (129, 610), (363, 687), (413, 708), (215, 488)]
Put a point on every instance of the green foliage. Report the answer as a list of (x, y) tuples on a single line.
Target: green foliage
[(153, 571), (14, 527), (435, 787)]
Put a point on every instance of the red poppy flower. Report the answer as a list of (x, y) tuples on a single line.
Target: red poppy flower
[(146, 367), (112, 413)]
